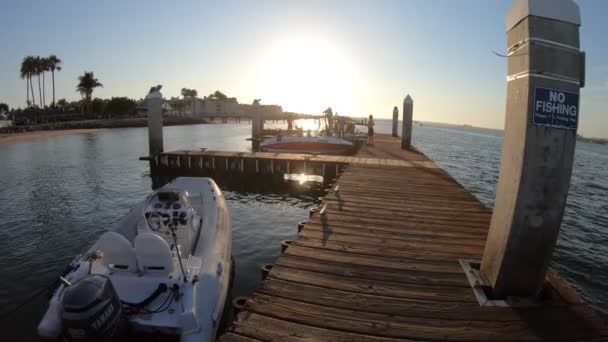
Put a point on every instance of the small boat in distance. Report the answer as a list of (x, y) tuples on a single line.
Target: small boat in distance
[(307, 144), (165, 269)]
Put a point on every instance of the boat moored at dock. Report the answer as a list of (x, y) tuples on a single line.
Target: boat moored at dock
[(164, 269), (307, 144)]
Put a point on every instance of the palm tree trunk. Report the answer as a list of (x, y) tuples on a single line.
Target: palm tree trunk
[(39, 92), (53, 73), (32, 90), (27, 91), (43, 91), (88, 106)]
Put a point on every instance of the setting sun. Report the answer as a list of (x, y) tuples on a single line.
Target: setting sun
[(307, 74)]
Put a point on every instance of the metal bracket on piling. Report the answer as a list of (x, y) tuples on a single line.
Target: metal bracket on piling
[(323, 213)]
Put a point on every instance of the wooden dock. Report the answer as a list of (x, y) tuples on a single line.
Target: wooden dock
[(205, 162), (384, 263)]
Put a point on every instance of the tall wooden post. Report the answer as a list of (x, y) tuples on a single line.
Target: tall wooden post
[(154, 109), (406, 134), (395, 121), (544, 69), (260, 122)]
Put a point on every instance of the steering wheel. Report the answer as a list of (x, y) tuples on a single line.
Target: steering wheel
[(157, 221)]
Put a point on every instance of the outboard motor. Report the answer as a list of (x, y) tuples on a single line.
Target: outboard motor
[(92, 311)]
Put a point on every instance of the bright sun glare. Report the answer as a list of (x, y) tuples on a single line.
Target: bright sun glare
[(307, 74)]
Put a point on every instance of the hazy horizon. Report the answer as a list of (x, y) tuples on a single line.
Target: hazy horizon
[(359, 57)]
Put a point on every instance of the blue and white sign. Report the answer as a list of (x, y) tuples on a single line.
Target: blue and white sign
[(555, 108)]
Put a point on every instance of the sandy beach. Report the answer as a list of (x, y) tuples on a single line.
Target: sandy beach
[(16, 137)]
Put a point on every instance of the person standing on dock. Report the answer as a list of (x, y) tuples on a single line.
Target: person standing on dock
[(370, 130), (341, 124)]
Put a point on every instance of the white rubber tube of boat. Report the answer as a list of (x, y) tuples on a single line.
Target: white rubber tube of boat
[(50, 324)]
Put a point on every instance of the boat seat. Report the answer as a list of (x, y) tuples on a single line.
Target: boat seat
[(153, 254), (118, 253)]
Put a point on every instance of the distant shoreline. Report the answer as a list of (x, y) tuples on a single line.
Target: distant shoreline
[(6, 138), (23, 133)]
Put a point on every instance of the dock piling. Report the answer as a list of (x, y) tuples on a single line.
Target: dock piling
[(406, 134), (154, 109), (544, 70), (395, 121)]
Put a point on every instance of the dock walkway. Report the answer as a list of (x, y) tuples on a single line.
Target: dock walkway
[(384, 264)]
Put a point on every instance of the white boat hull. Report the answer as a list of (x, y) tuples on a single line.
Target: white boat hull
[(203, 287)]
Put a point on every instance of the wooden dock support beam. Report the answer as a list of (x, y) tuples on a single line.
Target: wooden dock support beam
[(544, 79)]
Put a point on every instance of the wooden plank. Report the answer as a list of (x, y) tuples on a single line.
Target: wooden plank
[(369, 260), (406, 241), (384, 238), (271, 329), (374, 287), (412, 221), (394, 232), (373, 272)]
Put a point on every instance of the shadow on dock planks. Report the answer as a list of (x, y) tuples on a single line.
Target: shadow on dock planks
[(383, 264)]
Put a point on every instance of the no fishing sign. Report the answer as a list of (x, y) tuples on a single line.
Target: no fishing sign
[(555, 108)]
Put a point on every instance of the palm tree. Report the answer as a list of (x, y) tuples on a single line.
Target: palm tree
[(62, 103), (28, 69), (54, 64), (39, 69), (190, 93), (86, 84), (45, 65), (25, 74)]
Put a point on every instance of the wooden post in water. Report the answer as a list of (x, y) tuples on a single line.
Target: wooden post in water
[(395, 121), (545, 73), (154, 109), (257, 126), (260, 124), (406, 134)]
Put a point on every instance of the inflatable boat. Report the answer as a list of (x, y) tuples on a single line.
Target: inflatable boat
[(164, 269), (312, 144)]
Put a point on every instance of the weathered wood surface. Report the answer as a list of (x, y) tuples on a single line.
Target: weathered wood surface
[(384, 266)]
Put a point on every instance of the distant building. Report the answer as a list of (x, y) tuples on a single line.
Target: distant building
[(267, 110), (5, 123), (213, 107)]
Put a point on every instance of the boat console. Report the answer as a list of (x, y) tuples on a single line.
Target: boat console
[(170, 211)]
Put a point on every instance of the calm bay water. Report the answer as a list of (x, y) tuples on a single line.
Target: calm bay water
[(59, 194)]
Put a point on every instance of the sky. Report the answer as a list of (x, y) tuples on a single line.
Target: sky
[(359, 57)]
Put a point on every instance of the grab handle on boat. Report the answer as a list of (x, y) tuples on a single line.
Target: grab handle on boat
[(64, 281)]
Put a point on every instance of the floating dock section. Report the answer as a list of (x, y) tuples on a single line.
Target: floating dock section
[(384, 259), (204, 162)]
